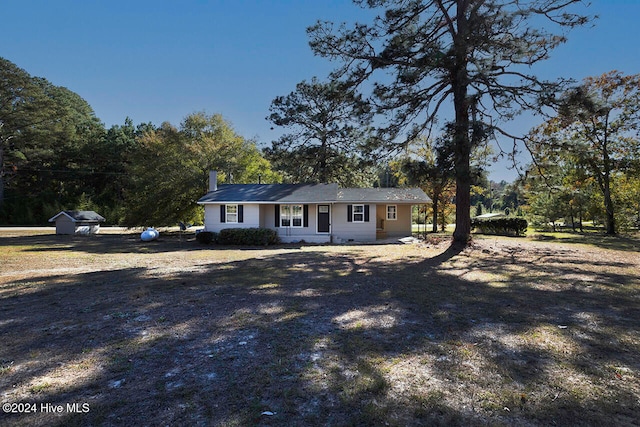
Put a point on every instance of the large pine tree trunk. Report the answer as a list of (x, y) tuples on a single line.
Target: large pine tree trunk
[(463, 201), (462, 163), (461, 139)]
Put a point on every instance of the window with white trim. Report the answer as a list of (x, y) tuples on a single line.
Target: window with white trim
[(392, 212), (296, 215), (231, 213), (285, 216), (358, 213), (291, 216)]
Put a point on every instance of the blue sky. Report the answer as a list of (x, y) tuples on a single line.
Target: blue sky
[(160, 60)]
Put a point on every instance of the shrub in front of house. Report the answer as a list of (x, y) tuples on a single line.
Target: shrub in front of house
[(501, 226), (248, 236), (207, 237)]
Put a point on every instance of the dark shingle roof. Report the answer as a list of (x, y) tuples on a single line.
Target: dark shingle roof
[(272, 193), (311, 193), (382, 195), (80, 216)]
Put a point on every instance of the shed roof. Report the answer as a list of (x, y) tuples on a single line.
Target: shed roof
[(79, 216)]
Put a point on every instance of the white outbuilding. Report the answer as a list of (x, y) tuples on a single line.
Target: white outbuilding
[(77, 222)]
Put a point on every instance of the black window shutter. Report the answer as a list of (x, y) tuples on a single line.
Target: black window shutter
[(305, 215), (349, 213), (277, 215), (366, 213), (223, 213), (240, 213)]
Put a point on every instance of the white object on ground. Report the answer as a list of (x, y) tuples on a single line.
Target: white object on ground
[(149, 234)]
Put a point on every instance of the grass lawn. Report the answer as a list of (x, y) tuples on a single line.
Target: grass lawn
[(509, 331)]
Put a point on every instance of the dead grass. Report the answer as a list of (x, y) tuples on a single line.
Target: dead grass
[(504, 332)]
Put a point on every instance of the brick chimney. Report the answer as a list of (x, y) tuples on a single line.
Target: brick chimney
[(213, 180)]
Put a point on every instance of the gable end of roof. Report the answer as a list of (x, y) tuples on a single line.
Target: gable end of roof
[(79, 216)]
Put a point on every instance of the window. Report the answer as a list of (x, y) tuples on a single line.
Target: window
[(291, 215), (231, 213), (285, 216), (296, 215), (392, 212), (358, 213)]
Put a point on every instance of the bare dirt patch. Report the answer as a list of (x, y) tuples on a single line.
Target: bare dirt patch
[(504, 332)]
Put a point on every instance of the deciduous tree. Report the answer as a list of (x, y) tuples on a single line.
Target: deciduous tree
[(171, 168), (431, 168), (598, 127)]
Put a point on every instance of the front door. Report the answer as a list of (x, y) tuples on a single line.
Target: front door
[(324, 218)]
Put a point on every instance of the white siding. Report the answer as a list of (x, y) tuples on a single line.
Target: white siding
[(267, 216), (344, 231), (259, 215), (295, 234), (64, 225), (251, 214)]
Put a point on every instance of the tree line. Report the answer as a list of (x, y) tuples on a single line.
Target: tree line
[(55, 154), (416, 97)]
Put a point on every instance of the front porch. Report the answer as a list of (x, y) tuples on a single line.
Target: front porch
[(381, 233), (393, 220)]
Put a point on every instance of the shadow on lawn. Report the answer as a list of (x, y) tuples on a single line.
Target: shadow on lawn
[(121, 243), (101, 243), (321, 338), (629, 243)]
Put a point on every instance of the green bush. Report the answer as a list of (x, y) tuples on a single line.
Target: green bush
[(501, 226), (248, 236), (206, 237)]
